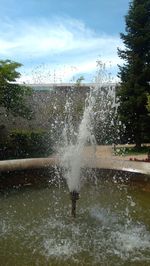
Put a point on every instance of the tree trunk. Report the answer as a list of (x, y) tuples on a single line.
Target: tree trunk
[(138, 141), (138, 146)]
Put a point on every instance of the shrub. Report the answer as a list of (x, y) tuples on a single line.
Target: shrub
[(26, 144)]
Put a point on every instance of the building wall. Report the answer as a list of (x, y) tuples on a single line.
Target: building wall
[(42, 104), (47, 103)]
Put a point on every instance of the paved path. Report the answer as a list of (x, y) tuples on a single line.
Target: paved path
[(107, 151), (104, 151)]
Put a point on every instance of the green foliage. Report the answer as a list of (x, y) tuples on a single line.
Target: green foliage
[(79, 81), (148, 103), (135, 73), (26, 144), (12, 95), (132, 150)]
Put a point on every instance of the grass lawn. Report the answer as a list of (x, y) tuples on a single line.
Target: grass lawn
[(131, 150)]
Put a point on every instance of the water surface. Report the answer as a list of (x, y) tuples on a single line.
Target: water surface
[(112, 226)]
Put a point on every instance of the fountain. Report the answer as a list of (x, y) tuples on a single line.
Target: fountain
[(75, 139), (112, 226), (72, 152)]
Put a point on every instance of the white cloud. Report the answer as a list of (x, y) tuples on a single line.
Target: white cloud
[(67, 73), (67, 40)]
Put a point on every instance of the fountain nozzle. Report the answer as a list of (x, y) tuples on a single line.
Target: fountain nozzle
[(74, 197)]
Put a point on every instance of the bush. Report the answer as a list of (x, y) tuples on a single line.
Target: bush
[(26, 144)]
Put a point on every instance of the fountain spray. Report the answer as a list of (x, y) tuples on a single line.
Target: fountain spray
[(75, 140), (72, 158)]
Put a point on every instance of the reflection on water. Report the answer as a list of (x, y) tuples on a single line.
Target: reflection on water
[(112, 226)]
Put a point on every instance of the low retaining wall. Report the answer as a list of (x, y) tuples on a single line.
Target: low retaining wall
[(42, 171), (24, 164), (119, 165), (36, 163)]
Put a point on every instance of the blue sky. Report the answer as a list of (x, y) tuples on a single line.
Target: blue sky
[(59, 40)]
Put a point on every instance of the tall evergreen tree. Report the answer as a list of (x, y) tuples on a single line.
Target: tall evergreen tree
[(135, 73)]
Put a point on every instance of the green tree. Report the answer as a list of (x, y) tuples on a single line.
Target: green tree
[(79, 81), (12, 95), (135, 73)]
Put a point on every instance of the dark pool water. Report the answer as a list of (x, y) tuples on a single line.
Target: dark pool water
[(112, 226)]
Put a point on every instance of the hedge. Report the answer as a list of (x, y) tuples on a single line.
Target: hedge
[(26, 144)]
